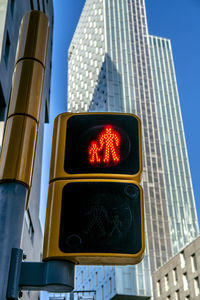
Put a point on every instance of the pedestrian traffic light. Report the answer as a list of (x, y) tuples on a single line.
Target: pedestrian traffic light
[(97, 221), (96, 145), (95, 204)]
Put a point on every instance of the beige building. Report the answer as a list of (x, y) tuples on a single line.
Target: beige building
[(179, 278)]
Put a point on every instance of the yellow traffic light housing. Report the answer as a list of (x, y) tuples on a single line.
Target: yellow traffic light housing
[(95, 211), (95, 222), (98, 145)]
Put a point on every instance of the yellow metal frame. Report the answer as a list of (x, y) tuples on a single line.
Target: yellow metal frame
[(33, 37), (18, 150), (57, 171), (26, 94), (20, 138), (52, 228)]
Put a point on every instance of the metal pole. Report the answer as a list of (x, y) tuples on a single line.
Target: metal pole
[(12, 205), (20, 139)]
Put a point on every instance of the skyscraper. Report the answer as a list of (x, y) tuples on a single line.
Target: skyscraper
[(11, 13), (115, 65)]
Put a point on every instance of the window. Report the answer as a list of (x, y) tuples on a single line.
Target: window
[(175, 277), (89, 284), (82, 276), (7, 49), (185, 282), (2, 108), (29, 225), (182, 258), (196, 286), (96, 278), (177, 295), (158, 288), (1, 133), (193, 262), (166, 282), (46, 119), (38, 3), (43, 6), (31, 4), (57, 297), (12, 4), (88, 271), (102, 292), (103, 270), (110, 285)]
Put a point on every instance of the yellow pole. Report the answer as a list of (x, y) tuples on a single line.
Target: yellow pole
[(19, 144)]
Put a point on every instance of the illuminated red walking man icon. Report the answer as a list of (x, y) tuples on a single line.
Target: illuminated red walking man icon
[(106, 149)]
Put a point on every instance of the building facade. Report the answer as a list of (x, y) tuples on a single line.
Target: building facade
[(11, 13), (179, 278), (115, 65)]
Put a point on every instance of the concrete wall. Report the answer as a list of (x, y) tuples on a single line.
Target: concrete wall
[(179, 278)]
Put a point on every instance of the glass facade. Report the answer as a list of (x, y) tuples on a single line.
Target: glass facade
[(86, 61), (180, 199), (115, 65)]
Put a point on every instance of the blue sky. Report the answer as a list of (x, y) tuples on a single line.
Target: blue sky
[(178, 20)]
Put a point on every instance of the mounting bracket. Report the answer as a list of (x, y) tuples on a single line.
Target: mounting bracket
[(52, 276)]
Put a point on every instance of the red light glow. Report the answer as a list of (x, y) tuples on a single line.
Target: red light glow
[(106, 149)]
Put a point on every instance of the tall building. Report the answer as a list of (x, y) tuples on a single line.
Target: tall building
[(11, 13), (115, 65)]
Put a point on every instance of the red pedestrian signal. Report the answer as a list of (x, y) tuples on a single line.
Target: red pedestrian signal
[(98, 145), (106, 149)]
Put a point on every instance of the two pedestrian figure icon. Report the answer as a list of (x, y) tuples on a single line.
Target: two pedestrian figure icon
[(106, 223), (106, 149)]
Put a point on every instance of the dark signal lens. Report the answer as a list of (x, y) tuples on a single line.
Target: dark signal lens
[(103, 217)]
